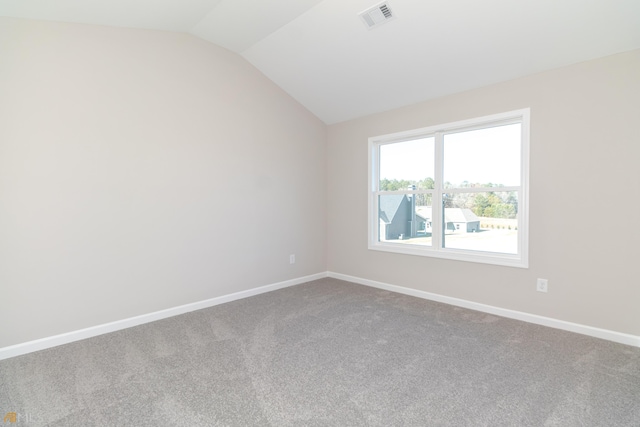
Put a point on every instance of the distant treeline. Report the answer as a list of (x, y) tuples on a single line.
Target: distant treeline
[(488, 204)]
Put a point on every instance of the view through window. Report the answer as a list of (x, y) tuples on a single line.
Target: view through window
[(455, 191)]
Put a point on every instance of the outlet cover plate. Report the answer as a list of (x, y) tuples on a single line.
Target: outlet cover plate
[(542, 285)]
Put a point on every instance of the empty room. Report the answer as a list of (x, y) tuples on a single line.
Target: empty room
[(319, 213)]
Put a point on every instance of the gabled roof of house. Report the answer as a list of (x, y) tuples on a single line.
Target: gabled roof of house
[(450, 214), (424, 212), (389, 206), (460, 215)]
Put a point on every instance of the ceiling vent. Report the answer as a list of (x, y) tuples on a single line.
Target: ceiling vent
[(377, 15)]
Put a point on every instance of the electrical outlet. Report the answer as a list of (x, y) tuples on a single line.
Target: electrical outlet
[(292, 259), (542, 285)]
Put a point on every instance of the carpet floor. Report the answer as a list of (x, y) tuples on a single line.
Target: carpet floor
[(327, 353)]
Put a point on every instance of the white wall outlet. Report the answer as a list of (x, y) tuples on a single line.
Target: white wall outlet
[(292, 259), (542, 285)]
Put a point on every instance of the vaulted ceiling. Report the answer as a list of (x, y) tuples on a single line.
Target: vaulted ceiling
[(322, 53)]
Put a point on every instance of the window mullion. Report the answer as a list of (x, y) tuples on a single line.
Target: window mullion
[(436, 209)]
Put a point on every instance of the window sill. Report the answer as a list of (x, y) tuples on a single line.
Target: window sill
[(507, 260)]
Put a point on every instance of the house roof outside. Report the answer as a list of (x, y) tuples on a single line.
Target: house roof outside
[(389, 205), (460, 215), (450, 214)]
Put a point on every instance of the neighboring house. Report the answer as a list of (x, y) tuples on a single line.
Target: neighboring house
[(423, 216), (395, 216), (456, 219), (463, 219)]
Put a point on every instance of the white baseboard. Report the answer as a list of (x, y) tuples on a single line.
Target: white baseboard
[(618, 337), (68, 337), (56, 340)]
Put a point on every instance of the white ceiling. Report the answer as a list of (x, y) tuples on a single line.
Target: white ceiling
[(321, 53)]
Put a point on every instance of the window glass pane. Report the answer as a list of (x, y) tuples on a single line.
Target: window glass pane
[(483, 158), (405, 218), (481, 221), (407, 163)]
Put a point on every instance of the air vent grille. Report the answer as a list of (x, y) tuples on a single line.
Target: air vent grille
[(386, 11), (377, 15)]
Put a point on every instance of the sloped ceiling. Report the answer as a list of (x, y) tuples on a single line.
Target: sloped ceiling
[(322, 54)]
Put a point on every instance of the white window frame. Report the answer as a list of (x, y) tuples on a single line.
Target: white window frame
[(521, 259)]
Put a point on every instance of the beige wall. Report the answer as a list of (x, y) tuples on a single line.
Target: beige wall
[(142, 170), (584, 180)]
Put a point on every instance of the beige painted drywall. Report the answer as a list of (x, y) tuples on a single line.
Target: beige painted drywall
[(584, 180), (142, 170)]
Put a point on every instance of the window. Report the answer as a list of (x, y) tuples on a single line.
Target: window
[(457, 191)]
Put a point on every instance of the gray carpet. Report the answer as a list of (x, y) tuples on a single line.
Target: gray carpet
[(328, 353)]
